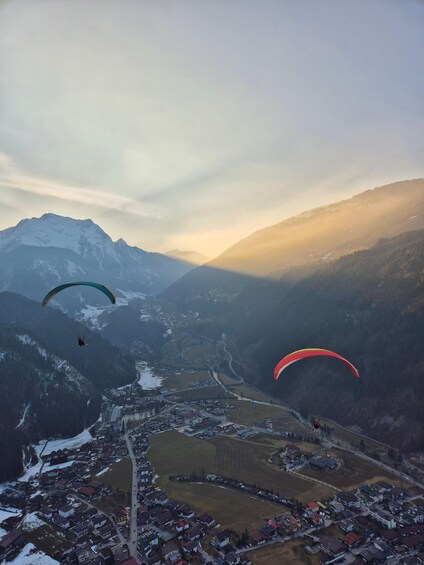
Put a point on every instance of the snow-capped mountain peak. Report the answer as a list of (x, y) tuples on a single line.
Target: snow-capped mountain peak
[(39, 253), (51, 230)]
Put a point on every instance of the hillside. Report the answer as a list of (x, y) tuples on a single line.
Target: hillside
[(369, 306), (299, 245), (49, 385)]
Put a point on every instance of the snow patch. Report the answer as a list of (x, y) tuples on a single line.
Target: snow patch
[(146, 379), (103, 471), (69, 443), (22, 420), (91, 314), (5, 514), (27, 340), (31, 522), (30, 555), (129, 294)]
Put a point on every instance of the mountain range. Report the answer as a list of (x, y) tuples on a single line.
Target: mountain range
[(368, 306), (297, 246), (347, 277), (40, 253)]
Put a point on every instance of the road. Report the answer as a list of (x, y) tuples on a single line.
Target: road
[(132, 541)]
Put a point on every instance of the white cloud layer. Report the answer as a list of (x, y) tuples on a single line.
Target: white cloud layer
[(194, 123)]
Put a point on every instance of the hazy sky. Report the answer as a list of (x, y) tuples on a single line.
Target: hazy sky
[(192, 123)]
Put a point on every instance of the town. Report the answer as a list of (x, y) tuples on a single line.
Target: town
[(82, 518)]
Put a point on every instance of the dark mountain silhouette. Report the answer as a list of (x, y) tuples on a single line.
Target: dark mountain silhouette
[(368, 306), (49, 385)]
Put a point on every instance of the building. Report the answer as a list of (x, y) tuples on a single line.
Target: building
[(382, 517)]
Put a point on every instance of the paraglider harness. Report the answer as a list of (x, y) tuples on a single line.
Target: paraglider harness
[(316, 423), (81, 341)]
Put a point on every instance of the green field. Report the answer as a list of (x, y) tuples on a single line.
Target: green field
[(207, 393), (280, 553), (227, 379), (247, 413), (175, 453), (230, 508), (184, 380), (119, 477), (250, 392), (248, 461)]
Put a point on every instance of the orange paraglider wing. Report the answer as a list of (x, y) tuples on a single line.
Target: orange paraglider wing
[(312, 352)]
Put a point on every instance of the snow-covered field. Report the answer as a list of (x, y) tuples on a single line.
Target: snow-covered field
[(68, 443), (31, 556), (32, 522), (54, 445), (146, 378), (4, 514), (91, 314)]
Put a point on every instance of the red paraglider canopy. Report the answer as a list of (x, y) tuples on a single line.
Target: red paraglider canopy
[(312, 352)]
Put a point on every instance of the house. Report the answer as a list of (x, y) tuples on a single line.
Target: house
[(323, 463), (61, 522), (186, 512), (231, 558), (194, 533), (348, 499), (351, 539), (66, 511), (182, 524), (332, 546), (12, 538), (121, 515), (370, 493), (171, 551), (382, 517), (258, 538), (88, 492), (206, 520), (313, 506), (190, 548), (221, 539)]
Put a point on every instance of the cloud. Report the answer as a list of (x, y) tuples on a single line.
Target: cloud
[(181, 122), (76, 195)]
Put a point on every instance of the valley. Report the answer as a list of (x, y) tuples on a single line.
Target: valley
[(211, 463)]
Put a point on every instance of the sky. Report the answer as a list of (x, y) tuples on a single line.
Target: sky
[(192, 123)]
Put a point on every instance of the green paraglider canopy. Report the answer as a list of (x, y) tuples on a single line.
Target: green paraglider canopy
[(61, 287)]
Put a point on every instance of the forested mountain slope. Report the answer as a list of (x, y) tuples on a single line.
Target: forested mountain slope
[(368, 306)]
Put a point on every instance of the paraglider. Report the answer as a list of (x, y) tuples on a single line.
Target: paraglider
[(81, 341), (312, 352), (61, 287), (316, 423)]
